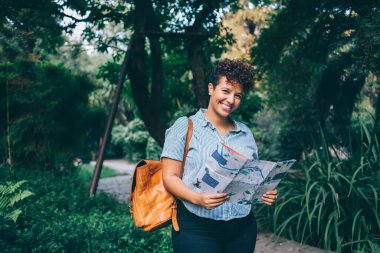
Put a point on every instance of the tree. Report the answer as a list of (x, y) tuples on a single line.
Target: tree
[(153, 23), (314, 60), (51, 120), (48, 119)]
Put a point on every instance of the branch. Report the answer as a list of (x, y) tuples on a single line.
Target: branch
[(178, 35), (54, 11), (202, 15)]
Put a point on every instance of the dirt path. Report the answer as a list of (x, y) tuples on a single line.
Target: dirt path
[(120, 187)]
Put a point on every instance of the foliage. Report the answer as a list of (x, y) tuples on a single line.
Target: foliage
[(51, 121), (153, 150), (178, 92), (333, 200), (251, 104), (266, 134), (86, 171), (108, 73), (136, 142), (10, 194), (244, 24), (24, 25), (61, 217), (155, 89), (313, 60)]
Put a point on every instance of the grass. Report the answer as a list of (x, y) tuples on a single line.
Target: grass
[(87, 170)]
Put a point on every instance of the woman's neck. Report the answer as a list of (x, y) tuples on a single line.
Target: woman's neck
[(220, 123)]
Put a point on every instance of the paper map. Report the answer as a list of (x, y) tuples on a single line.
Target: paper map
[(244, 179)]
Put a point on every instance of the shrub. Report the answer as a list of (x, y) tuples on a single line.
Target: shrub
[(332, 202), (135, 140), (50, 117), (61, 217)]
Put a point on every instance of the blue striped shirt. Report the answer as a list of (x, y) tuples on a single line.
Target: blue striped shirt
[(203, 142)]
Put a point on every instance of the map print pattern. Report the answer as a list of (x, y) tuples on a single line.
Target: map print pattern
[(244, 179)]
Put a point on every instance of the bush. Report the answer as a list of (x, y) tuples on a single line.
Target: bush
[(50, 117), (136, 142), (61, 217), (333, 201)]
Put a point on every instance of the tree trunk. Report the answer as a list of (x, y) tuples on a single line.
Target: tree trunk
[(9, 160), (111, 118), (148, 102), (196, 61), (194, 46)]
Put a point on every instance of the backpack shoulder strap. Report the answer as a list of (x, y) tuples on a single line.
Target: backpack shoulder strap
[(188, 138)]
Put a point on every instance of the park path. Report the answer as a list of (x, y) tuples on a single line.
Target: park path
[(120, 187)]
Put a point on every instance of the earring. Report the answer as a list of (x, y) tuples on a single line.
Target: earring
[(209, 93)]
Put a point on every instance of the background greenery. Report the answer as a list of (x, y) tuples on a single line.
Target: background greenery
[(315, 98), (331, 200), (86, 171), (60, 217)]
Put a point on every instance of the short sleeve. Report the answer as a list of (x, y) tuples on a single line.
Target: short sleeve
[(175, 139)]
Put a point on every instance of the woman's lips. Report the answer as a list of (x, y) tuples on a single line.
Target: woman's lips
[(226, 107)]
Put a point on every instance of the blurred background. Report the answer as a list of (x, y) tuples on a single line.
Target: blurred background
[(315, 98)]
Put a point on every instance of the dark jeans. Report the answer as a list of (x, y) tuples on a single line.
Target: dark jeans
[(202, 235)]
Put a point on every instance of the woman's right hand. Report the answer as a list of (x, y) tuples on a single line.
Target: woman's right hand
[(171, 175), (212, 200)]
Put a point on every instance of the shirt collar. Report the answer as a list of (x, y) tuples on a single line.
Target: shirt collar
[(200, 115)]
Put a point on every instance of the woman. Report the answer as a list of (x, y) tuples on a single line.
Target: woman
[(209, 222)]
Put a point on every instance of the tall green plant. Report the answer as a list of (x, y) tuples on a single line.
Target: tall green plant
[(333, 201)]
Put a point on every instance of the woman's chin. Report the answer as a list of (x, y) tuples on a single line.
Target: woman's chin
[(224, 113)]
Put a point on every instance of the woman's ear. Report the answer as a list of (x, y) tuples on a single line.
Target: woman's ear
[(210, 88)]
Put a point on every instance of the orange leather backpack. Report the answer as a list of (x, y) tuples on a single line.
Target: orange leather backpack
[(151, 206)]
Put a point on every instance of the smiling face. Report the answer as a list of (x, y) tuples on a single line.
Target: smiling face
[(225, 97)]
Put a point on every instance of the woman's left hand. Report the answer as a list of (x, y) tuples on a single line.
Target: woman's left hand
[(269, 197)]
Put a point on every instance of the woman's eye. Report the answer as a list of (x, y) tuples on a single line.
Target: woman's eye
[(225, 91), (238, 96)]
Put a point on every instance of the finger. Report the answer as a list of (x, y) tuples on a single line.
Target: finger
[(218, 201), (214, 205), (272, 192), (267, 203), (218, 196), (209, 200), (270, 198)]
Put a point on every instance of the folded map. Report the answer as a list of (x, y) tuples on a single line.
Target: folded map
[(243, 178)]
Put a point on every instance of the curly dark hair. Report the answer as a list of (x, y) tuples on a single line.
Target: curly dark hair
[(234, 71)]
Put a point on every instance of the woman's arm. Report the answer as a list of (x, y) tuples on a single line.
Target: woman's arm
[(172, 174)]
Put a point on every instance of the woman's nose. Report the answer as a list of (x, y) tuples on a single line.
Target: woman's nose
[(231, 99)]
